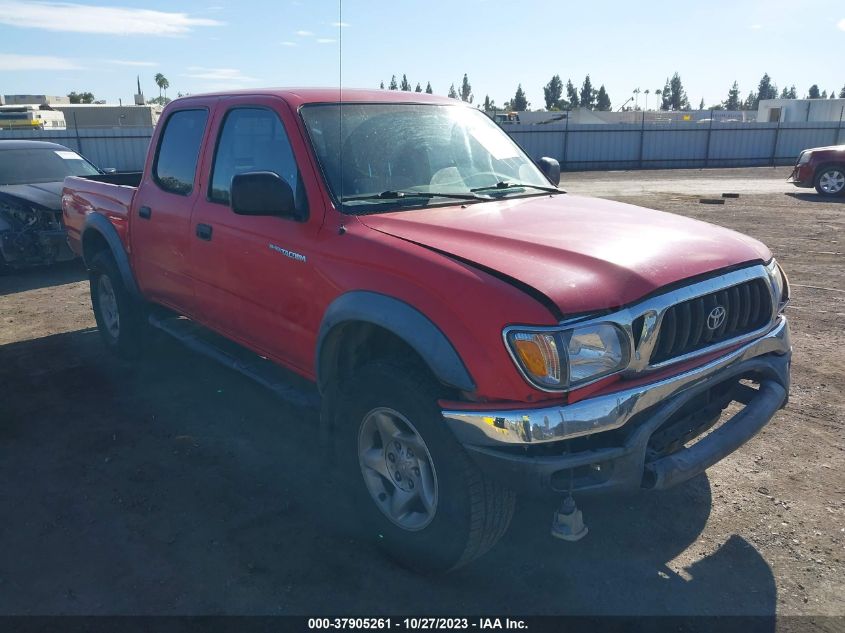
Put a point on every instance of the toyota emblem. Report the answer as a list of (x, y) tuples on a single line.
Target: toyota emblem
[(716, 318)]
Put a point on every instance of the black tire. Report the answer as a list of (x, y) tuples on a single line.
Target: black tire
[(472, 511), (834, 172), (132, 330)]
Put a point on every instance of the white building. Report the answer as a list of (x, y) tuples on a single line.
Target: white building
[(800, 110)]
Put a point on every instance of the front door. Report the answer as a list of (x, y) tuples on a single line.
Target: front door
[(254, 274)]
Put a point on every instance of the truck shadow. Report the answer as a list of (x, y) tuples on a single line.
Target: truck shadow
[(41, 277), (814, 197), (175, 486)]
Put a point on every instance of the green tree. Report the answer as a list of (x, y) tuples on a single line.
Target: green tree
[(162, 83), (677, 95), (489, 104), (789, 93), (602, 100), (428, 89), (824, 94), (381, 85), (571, 94), (814, 92), (393, 85), (587, 98), (405, 85), (750, 102), (842, 93), (552, 92), (81, 97), (701, 105), (766, 89), (466, 90), (418, 88), (452, 92), (519, 103), (733, 100)]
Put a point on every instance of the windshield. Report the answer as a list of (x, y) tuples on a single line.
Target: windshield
[(434, 150), (26, 166)]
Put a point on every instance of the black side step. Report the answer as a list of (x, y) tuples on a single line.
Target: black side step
[(285, 384)]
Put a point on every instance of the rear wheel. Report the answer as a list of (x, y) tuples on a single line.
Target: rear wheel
[(120, 319), (421, 497), (830, 181)]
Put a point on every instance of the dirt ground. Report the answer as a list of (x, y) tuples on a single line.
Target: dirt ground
[(174, 486)]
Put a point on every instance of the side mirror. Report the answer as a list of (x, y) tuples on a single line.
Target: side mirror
[(109, 170), (550, 168), (262, 193)]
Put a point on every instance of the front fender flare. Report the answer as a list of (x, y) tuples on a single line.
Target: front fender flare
[(101, 225), (406, 322)]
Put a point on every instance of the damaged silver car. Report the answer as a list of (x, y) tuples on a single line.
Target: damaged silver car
[(31, 177)]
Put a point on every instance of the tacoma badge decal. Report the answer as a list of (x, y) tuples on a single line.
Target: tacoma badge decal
[(297, 256)]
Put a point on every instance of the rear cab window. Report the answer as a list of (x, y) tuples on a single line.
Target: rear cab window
[(178, 151)]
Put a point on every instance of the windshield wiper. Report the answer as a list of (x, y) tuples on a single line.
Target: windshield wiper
[(503, 184), (399, 195)]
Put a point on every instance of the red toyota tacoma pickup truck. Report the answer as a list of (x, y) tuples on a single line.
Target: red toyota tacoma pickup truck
[(472, 330)]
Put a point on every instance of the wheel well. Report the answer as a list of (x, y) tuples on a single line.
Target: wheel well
[(824, 166), (93, 243), (352, 344)]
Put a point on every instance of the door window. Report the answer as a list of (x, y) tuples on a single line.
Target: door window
[(178, 151), (253, 139)]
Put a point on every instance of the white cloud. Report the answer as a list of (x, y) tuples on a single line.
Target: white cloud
[(304, 33), (288, 43), (340, 24), (87, 18), (841, 25), (11, 62), (219, 74), (326, 40), (129, 62)]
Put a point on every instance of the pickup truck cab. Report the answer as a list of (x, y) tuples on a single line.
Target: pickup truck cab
[(473, 331)]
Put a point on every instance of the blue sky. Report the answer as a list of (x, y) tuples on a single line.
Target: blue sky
[(201, 45)]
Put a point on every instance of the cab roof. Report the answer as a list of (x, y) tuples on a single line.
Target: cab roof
[(301, 96)]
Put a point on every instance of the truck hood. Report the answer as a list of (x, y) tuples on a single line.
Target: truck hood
[(43, 194), (584, 254)]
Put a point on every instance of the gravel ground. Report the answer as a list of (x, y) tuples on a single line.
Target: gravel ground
[(174, 486)]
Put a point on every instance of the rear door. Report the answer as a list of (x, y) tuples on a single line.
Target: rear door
[(160, 229)]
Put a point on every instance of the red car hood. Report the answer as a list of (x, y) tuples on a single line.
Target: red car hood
[(585, 254)]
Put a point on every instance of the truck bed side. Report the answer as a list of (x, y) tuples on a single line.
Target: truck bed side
[(83, 196)]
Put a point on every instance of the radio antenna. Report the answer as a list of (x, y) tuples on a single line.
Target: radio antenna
[(340, 94)]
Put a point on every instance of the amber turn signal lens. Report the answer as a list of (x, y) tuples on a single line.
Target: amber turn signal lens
[(531, 356)]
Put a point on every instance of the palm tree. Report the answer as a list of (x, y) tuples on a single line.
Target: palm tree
[(637, 98), (165, 84), (646, 92), (657, 94), (162, 83)]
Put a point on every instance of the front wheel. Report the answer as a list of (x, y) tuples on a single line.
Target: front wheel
[(830, 181), (421, 497)]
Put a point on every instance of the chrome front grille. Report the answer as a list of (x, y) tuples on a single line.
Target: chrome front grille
[(710, 319)]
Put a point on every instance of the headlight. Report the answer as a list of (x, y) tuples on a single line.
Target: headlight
[(804, 158), (780, 283), (556, 360)]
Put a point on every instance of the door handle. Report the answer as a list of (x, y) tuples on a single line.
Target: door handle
[(145, 212), (204, 232)]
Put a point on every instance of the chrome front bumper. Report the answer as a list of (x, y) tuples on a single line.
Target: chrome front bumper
[(601, 413)]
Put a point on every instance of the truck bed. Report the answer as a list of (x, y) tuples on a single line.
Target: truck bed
[(107, 194)]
